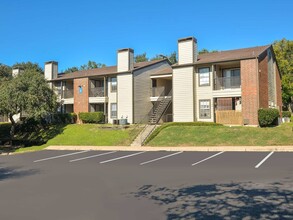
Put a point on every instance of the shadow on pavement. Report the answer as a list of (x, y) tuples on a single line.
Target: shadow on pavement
[(224, 201), (15, 172)]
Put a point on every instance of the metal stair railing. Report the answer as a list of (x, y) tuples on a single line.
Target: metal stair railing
[(161, 108)]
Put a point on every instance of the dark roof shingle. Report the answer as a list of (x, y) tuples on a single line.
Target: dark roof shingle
[(109, 70)]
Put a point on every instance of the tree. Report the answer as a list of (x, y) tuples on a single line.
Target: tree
[(28, 66), (284, 54), (28, 92), (203, 51), (172, 57), (5, 72), (89, 65), (141, 58)]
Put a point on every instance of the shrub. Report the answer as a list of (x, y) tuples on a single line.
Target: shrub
[(267, 116), (91, 117), (64, 118), (159, 129), (286, 114)]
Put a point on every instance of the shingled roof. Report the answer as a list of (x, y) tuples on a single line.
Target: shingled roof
[(104, 71), (230, 55)]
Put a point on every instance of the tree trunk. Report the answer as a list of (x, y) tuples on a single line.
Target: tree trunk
[(12, 130)]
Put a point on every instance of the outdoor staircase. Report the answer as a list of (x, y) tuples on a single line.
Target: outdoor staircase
[(153, 118), (143, 135), (161, 108)]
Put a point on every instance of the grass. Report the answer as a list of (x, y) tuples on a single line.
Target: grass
[(223, 136), (92, 135), (74, 134)]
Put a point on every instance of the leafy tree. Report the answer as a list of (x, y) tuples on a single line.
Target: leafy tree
[(203, 51), (89, 65), (71, 69), (5, 72), (141, 58), (284, 55), (28, 66), (172, 57), (28, 92)]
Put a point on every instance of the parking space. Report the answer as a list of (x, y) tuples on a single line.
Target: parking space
[(223, 159), (107, 184)]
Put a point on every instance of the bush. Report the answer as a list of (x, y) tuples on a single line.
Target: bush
[(286, 114), (159, 129), (91, 117), (64, 118), (268, 116)]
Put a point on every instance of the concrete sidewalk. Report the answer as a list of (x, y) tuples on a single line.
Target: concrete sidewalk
[(170, 148)]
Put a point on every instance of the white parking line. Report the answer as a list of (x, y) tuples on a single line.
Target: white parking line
[(119, 158), (263, 160), (207, 158), (97, 155), (160, 158), (64, 155)]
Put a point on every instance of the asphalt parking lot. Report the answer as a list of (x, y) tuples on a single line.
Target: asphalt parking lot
[(146, 185)]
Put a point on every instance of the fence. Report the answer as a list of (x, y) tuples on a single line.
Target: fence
[(230, 117)]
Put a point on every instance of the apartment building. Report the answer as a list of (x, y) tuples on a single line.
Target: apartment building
[(121, 91), (226, 87)]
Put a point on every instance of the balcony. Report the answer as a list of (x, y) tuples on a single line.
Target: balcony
[(160, 91), (68, 94), (97, 92), (222, 83)]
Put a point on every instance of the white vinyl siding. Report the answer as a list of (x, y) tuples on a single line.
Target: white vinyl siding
[(125, 96), (186, 52), (123, 61), (183, 95)]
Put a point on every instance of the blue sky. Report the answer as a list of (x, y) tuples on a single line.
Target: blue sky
[(73, 32)]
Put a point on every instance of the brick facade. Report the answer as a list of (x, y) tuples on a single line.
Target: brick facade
[(263, 81), (249, 89), (278, 90), (81, 95)]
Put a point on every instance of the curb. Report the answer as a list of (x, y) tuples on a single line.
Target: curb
[(170, 148)]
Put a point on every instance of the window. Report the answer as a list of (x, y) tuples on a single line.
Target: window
[(113, 110), (204, 109), (113, 84), (204, 76)]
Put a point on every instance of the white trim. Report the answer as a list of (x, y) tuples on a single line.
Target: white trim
[(161, 76)]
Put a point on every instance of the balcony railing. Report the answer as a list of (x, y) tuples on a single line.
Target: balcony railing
[(159, 91), (97, 92), (67, 94), (232, 82)]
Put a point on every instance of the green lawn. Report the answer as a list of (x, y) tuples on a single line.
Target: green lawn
[(92, 135), (74, 134), (222, 135)]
